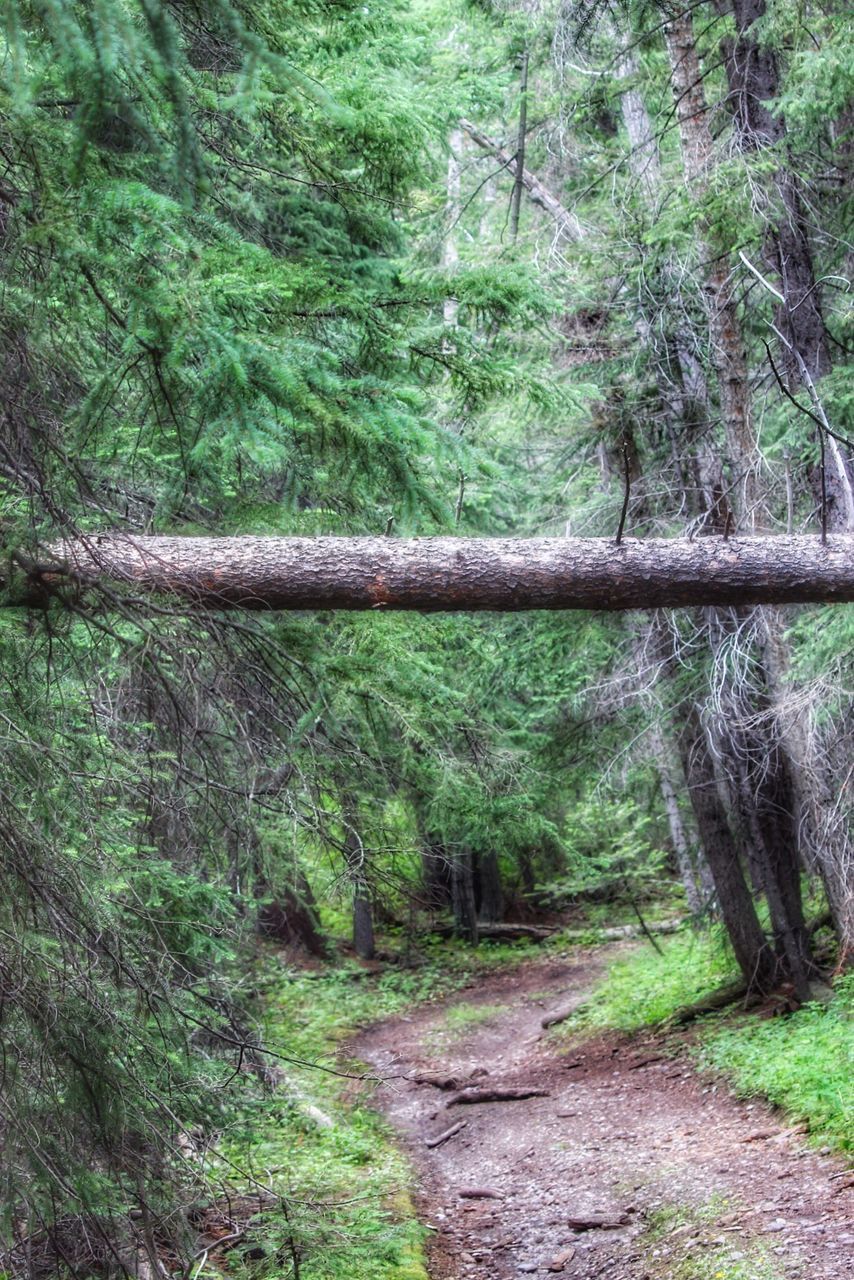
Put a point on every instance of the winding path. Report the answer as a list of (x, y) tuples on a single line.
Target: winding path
[(663, 1161)]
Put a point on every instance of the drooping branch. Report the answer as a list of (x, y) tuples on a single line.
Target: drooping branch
[(539, 194), (448, 574)]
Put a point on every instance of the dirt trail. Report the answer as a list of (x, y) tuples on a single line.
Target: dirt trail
[(624, 1133)]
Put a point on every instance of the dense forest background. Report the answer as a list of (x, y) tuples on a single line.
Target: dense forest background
[(479, 267)]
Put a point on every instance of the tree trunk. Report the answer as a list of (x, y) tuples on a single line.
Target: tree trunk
[(754, 81), (491, 894), (363, 922), (643, 154), (518, 185), (465, 910), (355, 859), (450, 253), (291, 918), (454, 574), (753, 76), (678, 836), (724, 326), (754, 955)]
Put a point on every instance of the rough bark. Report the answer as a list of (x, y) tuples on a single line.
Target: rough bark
[(451, 574), (753, 75), (762, 786), (754, 956)]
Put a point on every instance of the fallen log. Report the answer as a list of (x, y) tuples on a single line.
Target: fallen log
[(447, 1135), (502, 932), (445, 1083), (435, 574), (721, 998), (617, 932), (561, 1015), (597, 1221), (479, 1193), (540, 195), (468, 1097)]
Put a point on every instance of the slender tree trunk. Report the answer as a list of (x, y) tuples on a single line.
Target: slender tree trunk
[(355, 857), (518, 184), (450, 253), (678, 834)]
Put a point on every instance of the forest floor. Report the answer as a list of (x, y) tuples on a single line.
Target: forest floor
[(679, 1179)]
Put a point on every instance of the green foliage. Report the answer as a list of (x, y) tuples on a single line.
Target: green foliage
[(803, 1063), (644, 988), (227, 284), (606, 839)]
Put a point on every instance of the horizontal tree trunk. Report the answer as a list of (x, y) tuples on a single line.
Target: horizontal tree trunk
[(449, 574)]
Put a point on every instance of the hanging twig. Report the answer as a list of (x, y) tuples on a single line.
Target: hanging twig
[(626, 493), (516, 201), (821, 430), (460, 496), (790, 496)]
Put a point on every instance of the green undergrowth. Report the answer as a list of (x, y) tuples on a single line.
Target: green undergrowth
[(802, 1062), (345, 1211), (644, 987)]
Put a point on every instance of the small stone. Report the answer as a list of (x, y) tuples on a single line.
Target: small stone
[(779, 1224), (528, 1267)]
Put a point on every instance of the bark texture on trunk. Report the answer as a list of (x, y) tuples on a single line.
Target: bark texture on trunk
[(453, 574), (752, 951)]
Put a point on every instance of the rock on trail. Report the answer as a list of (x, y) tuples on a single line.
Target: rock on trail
[(614, 1135)]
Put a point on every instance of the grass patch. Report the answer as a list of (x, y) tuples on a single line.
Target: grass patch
[(803, 1062), (701, 1259), (461, 1018), (643, 988), (458, 1021)]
